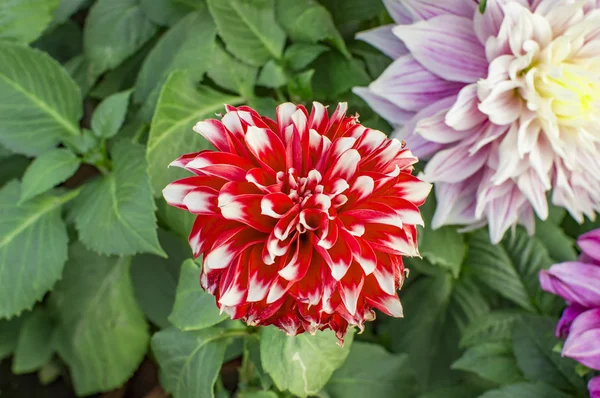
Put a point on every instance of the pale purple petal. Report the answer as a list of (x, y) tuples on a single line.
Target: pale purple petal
[(410, 86), (427, 9), (464, 114), (447, 46), (574, 281), (566, 320), (453, 165), (583, 343), (503, 211), (390, 112), (435, 129), (590, 244), (488, 24), (384, 40), (456, 202), (594, 387), (398, 11)]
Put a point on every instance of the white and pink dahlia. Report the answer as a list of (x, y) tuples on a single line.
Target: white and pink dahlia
[(505, 105), (303, 221)]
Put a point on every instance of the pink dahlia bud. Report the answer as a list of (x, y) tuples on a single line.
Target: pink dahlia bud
[(594, 387), (505, 105), (302, 221), (583, 343)]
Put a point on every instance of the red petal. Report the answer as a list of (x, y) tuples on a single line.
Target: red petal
[(390, 239), (318, 119), (175, 192), (266, 147), (261, 276), (276, 205), (350, 287), (298, 264), (388, 304), (215, 133), (223, 253), (247, 210)]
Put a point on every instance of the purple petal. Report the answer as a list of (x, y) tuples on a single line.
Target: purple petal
[(454, 164), (399, 13), (464, 114), (594, 387), (427, 9), (390, 112), (456, 202), (583, 343), (384, 40), (574, 281), (488, 24), (590, 244), (566, 320), (435, 129), (447, 46), (410, 86)]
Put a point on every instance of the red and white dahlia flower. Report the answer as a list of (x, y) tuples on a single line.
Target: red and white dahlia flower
[(505, 104), (302, 221)]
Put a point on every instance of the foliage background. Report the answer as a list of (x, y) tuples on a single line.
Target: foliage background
[(96, 278)]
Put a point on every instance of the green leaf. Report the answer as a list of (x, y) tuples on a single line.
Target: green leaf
[(12, 167), (114, 30), (110, 115), (35, 345), (559, 245), (444, 247), (194, 308), (9, 335), (190, 361), (25, 20), (33, 247), (452, 392), (102, 335), (335, 75), (83, 73), (300, 55), (39, 102), (257, 394), (164, 12), (345, 11), (494, 327), (436, 310), (47, 171), (249, 29), (232, 74), (65, 9), (300, 86), (252, 368), (264, 106), (155, 278), (533, 340), (370, 371), (179, 108), (308, 21), (115, 214), (179, 222), (272, 75), (302, 364), (491, 361), (62, 42), (188, 45), (510, 268), (525, 390)]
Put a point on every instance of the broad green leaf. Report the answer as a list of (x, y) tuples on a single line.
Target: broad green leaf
[(370, 371), (25, 20), (164, 12), (491, 361), (9, 335), (511, 267), (444, 247), (302, 364), (533, 343), (115, 213), (155, 278), (83, 73), (47, 171), (375, 62), (300, 86), (436, 310), (194, 308), (494, 327), (12, 167), (249, 29), (335, 75), (264, 106), (190, 361), (559, 245), (252, 369), (33, 247), (110, 115), (452, 392), (100, 323), (39, 102), (345, 11), (308, 21), (180, 106), (36, 344), (62, 42), (114, 30), (189, 45), (272, 75), (525, 390), (65, 9), (257, 394), (232, 74), (300, 55)]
